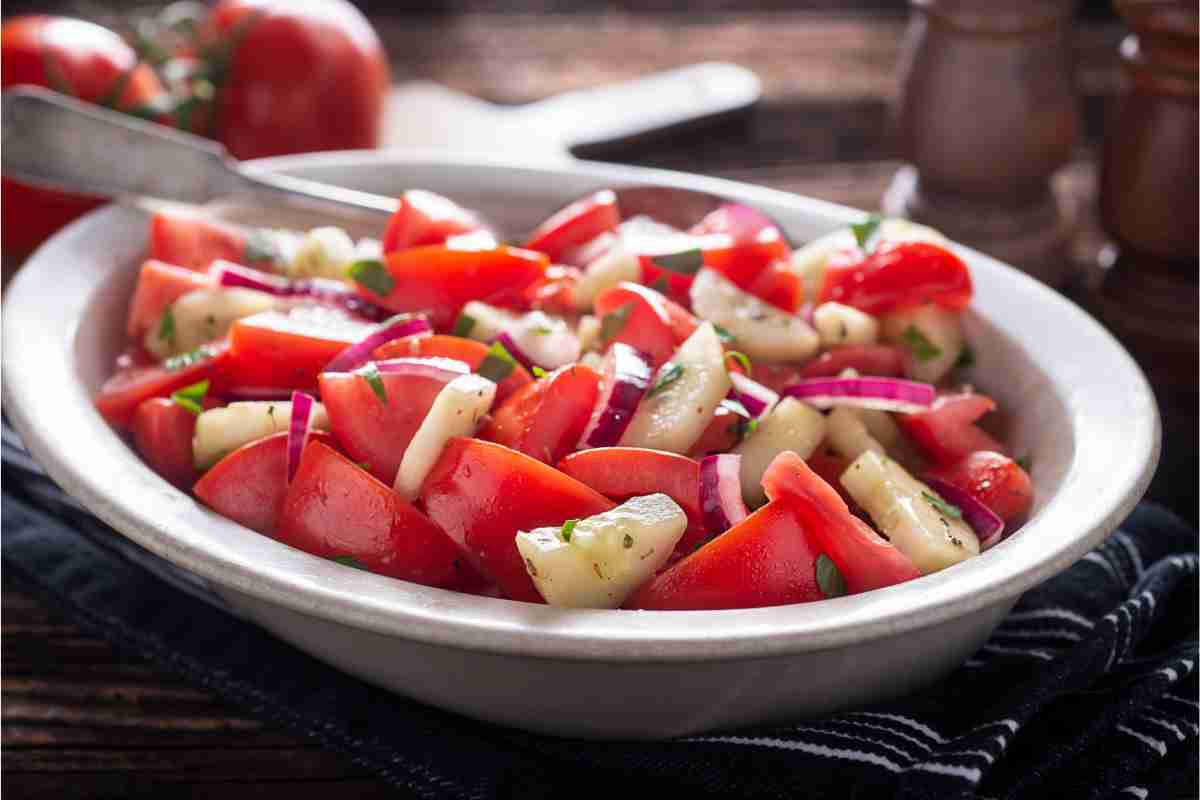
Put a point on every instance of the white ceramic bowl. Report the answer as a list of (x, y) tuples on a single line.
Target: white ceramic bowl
[(1074, 401)]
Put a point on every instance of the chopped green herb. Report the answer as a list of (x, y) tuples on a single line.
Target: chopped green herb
[(541, 330), (966, 359), (568, 528), (372, 274), (919, 345), (829, 578), (351, 561), (201, 353), (942, 506), (538, 372), (463, 325), (686, 262), (627, 542), (365, 466), (742, 359), (261, 245), (498, 364), (612, 323), (745, 426), (865, 232), (661, 284), (725, 336), (370, 373), (192, 397), (166, 328), (1025, 463), (670, 373)]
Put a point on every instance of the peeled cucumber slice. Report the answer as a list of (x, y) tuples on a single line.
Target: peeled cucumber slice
[(203, 315), (220, 431), (791, 425), (456, 411), (760, 330), (932, 335)]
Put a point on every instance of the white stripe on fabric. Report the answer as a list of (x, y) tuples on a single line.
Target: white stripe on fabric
[(1095, 558), (1171, 674), (804, 747), (912, 723), (1150, 597), (1051, 613), (1154, 744), (971, 774), (1183, 700), (885, 729), (1018, 651), (1163, 723), (907, 756), (1132, 550), (1062, 633), (973, 662), (1137, 791), (984, 754), (1112, 651)]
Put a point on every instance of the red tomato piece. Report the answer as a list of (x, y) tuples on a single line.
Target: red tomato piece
[(675, 286), (441, 280), (947, 431), (195, 243), (577, 224), (287, 351), (555, 291), (372, 432), (482, 494), (620, 473), (722, 434), (900, 275), (426, 218), (546, 418), (466, 350), (121, 394), (767, 559), (868, 359), (648, 325), (993, 479), (162, 433), (248, 485), (159, 284), (865, 559), (336, 509), (829, 467)]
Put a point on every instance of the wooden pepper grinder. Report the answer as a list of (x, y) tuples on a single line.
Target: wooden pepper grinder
[(986, 114)]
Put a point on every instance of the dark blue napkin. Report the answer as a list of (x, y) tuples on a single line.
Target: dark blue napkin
[(1087, 690)]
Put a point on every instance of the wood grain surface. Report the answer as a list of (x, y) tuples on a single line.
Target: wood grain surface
[(80, 719)]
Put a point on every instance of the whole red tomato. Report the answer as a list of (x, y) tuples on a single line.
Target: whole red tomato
[(77, 58), (293, 77)]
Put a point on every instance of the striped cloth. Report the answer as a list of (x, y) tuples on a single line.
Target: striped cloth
[(1087, 690)]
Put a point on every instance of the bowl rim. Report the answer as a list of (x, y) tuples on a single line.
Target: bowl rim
[(39, 363)]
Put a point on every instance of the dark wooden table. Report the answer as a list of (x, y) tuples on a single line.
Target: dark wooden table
[(81, 719)]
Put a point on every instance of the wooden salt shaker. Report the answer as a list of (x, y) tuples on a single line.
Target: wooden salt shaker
[(986, 114)]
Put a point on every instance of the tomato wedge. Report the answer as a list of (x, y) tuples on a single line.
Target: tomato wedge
[(466, 350), (620, 473), (482, 494), (577, 224), (334, 509), (288, 350), (373, 432), (767, 559), (865, 559), (440, 280), (426, 218), (546, 418), (162, 433), (897, 275), (121, 394), (195, 243), (159, 284), (248, 485), (946, 432), (643, 319), (993, 479), (722, 434), (866, 359), (555, 291)]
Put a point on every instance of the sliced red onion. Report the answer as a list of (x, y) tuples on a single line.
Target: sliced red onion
[(298, 430), (624, 378), (359, 353), (883, 394), (757, 399), (536, 339), (721, 492), (986, 524), (443, 369), (322, 290), (254, 393)]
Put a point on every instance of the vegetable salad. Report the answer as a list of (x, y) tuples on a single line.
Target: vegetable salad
[(615, 414)]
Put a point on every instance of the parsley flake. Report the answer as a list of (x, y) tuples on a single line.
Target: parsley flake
[(627, 542), (166, 328), (538, 372), (261, 245), (742, 359), (942, 506), (866, 232), (725, 336), (191, 397), (463, 325), (919, 345), (661, 284), (685, 262), (829, 577), (351, 561), (612, 323), (568, 528), (670, 373), (498, 364), (370, 373), (372, 274)]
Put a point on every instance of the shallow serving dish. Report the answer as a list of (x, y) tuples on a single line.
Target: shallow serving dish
[(1074, 400)]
